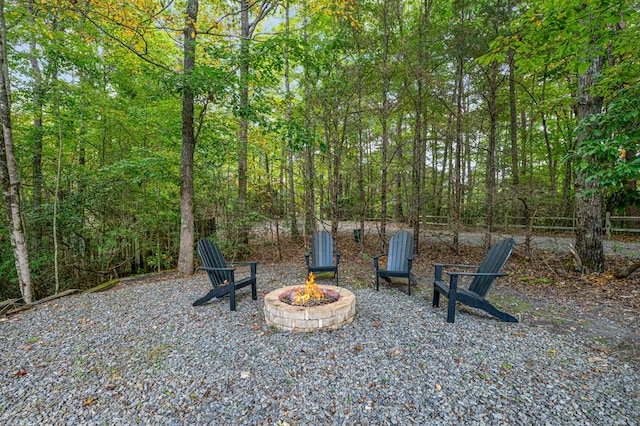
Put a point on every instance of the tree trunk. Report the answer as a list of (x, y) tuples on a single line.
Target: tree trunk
[(398, 211), (361, 153), (36, 162), (545, 130), (185, 256), (588, 197), (417, 164), (492, 101), (293, 221), (384, 185), (513, 125), (243, 134), (246, 33), (457, 196), (9, 174), (513, 131), (309, 187)]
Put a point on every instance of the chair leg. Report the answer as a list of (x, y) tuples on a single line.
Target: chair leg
[(232, 298), (377, 282), (451, 310), (492, 310), (435, 302), (453, 295), (205, 299), (254, 291)]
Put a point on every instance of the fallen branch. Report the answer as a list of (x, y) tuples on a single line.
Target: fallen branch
[(624, 273), (104, 286), (576, 257), (9, 304), (56, 296)]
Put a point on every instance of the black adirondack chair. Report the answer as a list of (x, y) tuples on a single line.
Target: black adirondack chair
[(322, 254), (483, 279), (222, 275), (399, 260)]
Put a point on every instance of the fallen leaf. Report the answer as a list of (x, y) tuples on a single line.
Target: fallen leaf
[(376, 324), (245, 375), (438, 387), (89, 401)]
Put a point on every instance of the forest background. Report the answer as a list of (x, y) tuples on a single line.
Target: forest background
[(133, 128)]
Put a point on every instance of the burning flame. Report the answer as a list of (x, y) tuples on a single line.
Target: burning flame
[(311, 292)]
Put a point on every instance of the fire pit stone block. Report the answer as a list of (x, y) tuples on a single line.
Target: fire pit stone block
[(300, 318)]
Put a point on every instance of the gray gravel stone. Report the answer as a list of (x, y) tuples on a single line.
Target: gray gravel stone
[(142, 355)]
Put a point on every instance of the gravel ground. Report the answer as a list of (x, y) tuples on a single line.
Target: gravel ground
[(141, 354)]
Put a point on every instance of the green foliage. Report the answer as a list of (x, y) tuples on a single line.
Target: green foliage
[(117, 117), (610, 152)]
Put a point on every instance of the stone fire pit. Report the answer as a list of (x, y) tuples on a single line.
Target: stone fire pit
[(279, 313)]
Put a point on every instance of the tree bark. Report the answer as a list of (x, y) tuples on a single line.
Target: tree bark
[(492, 101), (293, 221), (36, 162), (310, 196), (361, 153), (247, 28), (243, 134), (384, 185), (187, 226), (9, 174), (588, 198), (457, 196)]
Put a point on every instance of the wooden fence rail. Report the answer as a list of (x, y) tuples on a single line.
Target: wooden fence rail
[(611, 224)]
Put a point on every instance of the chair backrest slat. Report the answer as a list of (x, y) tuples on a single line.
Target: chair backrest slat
[(401, 247), (321, 249), (493, 262), (212, 258)]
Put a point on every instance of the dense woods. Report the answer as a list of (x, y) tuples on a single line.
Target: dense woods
[(133, 128)]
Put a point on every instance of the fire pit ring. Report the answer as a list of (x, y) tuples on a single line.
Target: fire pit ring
[(284, 316)]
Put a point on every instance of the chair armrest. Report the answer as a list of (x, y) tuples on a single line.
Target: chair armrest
[(376, 259), (228, 274), (241, 263), (410, 262), (204, 268), (449, 265), (439, 268), (476, 274), (252, 265)]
